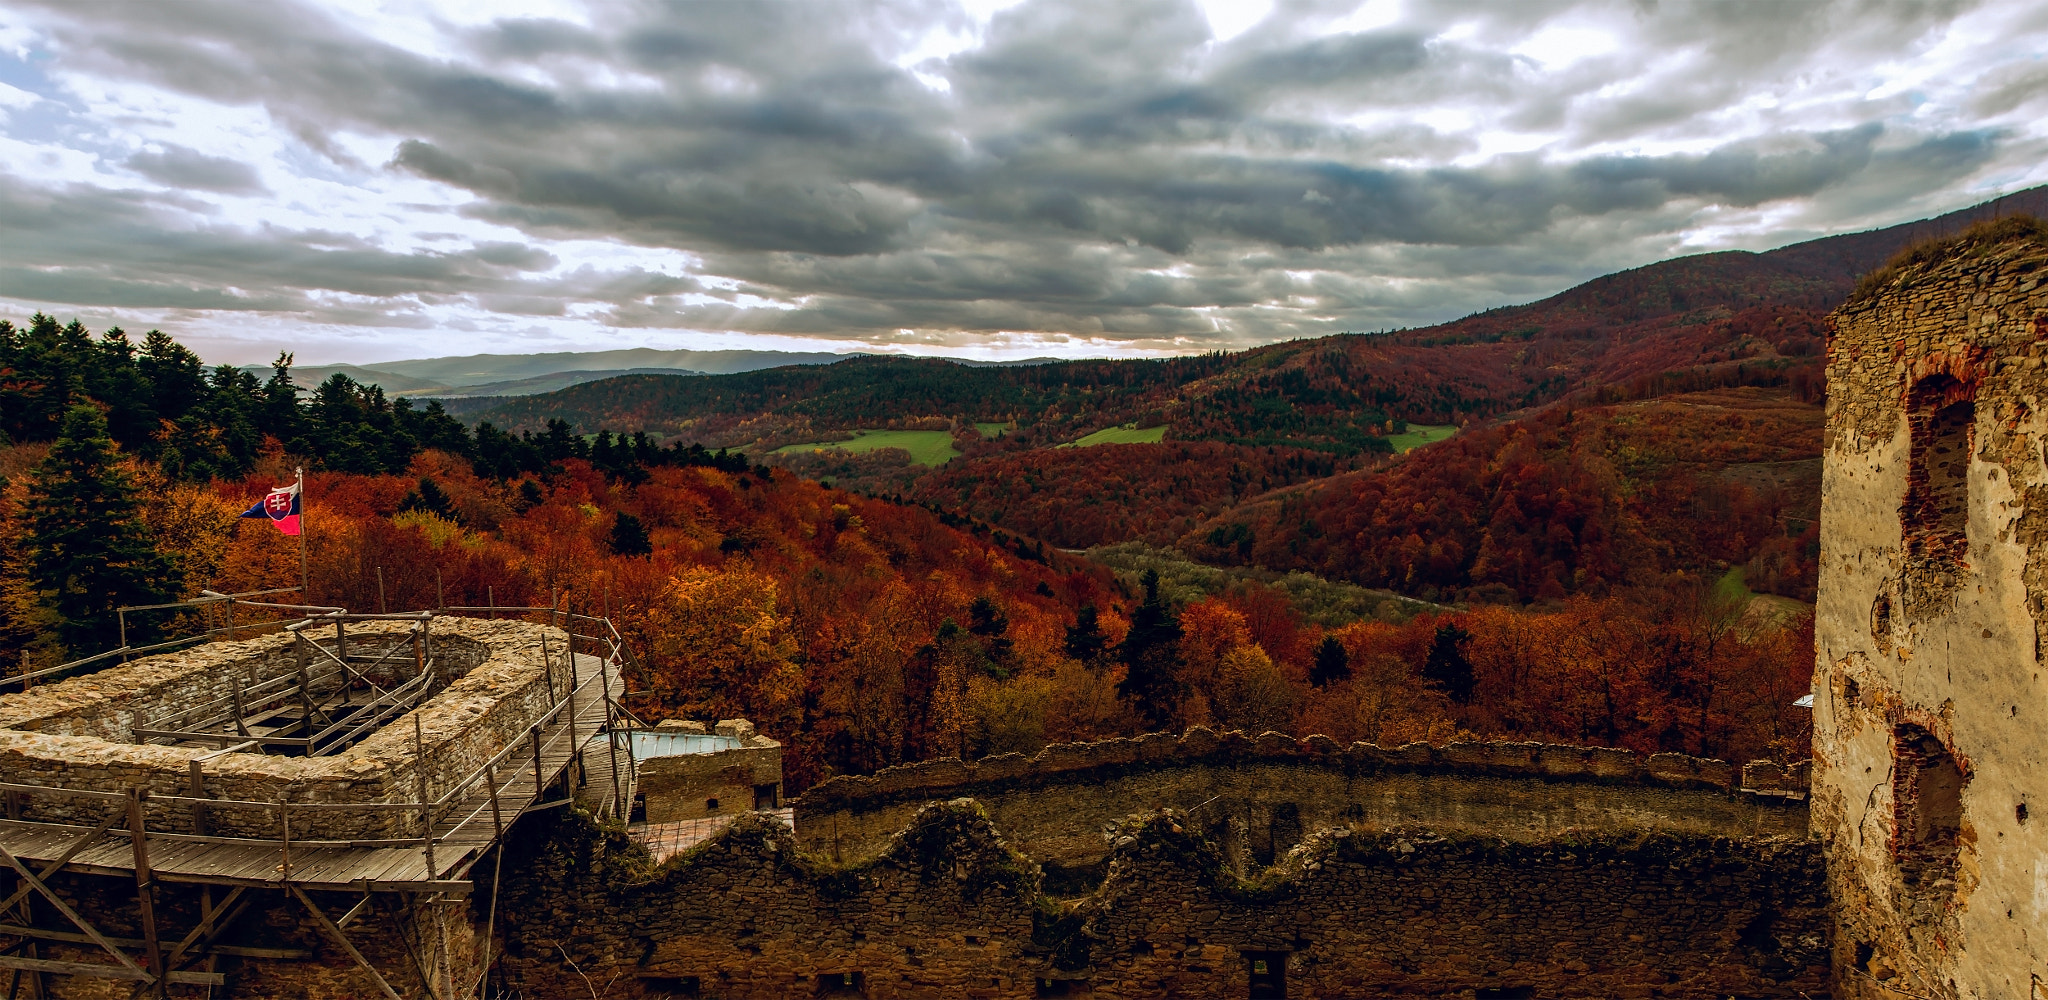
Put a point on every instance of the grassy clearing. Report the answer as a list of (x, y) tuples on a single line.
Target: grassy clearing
[(1418, 435), (991, 431), (928, 448), (1759, 611), (1127, 434), (1184, 581)]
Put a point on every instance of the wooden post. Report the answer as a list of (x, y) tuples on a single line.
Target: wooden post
[(538, 782), (306, 689), (231, 621), (305, 582), (611, 740), (197, 774), (440, 599), (382, 608), (419, 654), (26, 680), (419, 761), (122, 617), (575, 748), (241, 713), (547, 669), (36, 986), (145, 891), (284, 819), (491, 601), (498, 844)]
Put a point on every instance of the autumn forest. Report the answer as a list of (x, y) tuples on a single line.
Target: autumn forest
[(1614, 545)]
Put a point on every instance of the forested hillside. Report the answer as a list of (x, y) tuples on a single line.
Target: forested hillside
[(1635, 456), (862, 631)]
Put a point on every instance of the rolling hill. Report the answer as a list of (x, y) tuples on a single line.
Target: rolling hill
[(1284, 455)]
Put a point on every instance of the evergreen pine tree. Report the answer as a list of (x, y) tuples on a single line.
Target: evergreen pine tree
[(88, 549), (1447, 666), (629, 536), (1151, 657), (431, 498), (1085, 641), (1332, 666)]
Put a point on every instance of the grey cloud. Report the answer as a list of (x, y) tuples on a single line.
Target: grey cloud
[(178, 166), (1095, 169)]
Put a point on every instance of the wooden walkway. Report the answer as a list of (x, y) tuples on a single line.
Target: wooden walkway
[(463, 832)]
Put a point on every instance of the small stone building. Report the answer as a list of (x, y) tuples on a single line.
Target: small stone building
[(685, 772), (1930, 710)]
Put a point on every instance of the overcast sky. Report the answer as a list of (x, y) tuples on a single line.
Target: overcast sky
[(365, 181)]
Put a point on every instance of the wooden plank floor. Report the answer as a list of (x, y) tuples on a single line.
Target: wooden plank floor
[(461, 837)]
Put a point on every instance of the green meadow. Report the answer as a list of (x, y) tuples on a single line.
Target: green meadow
[(1127, 434), (930, 448), (1418, 435)]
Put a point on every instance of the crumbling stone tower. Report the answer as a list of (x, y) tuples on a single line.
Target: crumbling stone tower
[(1930, 710)]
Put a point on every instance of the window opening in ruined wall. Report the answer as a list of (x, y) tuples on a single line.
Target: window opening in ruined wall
[(1267, 971), (1941, 416), (1927, 806)]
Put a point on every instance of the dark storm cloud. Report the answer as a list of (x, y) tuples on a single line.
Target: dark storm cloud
[(126, 249), (177, 166), (1095, 169)]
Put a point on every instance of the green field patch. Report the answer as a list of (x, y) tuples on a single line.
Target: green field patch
[(930, 448), (990, 432), (1418, 435), (1127, 434), (1758, 612)]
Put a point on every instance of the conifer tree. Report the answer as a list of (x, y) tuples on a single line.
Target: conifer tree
[(1447, 666), (629, 536), (1085, 641), (88, 549), (1332, 665), (1151, 656)]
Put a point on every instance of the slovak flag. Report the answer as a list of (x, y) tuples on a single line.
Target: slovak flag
[(281, 506)]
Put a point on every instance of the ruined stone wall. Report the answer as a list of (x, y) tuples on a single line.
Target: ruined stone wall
[(78, 734), (1259, 797), (949, 909), (1929, 704)]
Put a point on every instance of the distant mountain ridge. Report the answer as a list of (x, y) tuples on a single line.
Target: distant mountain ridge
[(528, 374), (1758, 312)]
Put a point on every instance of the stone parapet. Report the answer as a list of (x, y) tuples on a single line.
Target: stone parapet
[(1069, 762), (1259, 796)]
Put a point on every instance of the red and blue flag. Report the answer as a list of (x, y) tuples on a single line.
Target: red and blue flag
[(281, 507)]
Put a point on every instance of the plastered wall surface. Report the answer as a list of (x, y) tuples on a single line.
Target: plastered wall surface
[(683, 786), (1930, 707)]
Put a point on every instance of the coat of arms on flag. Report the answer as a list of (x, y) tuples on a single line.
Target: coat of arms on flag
[(281, 506)]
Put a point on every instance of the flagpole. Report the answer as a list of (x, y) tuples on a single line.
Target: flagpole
[(305, 587)]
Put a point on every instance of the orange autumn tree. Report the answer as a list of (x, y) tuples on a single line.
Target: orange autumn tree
[(726, 644)]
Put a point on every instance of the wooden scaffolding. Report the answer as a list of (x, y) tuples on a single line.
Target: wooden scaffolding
[(575, 751)]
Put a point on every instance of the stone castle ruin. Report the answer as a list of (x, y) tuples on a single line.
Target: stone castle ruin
[(1929, 702), (436, 806)]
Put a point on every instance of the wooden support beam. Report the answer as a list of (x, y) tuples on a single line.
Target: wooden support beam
[(320, 916), (238, 951), (53, 867), (69, 913), (145, 889), (213, 920), (107, 971), (355, 911)]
